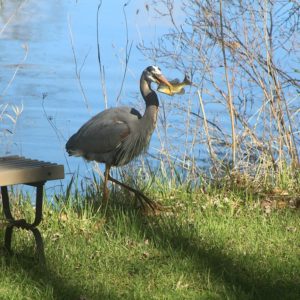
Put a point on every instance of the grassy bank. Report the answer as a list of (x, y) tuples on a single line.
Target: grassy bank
[(215, 245)]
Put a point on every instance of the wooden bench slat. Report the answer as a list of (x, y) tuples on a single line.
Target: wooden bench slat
[(11, 157), (16, 170), (24, 164), (16, 160)]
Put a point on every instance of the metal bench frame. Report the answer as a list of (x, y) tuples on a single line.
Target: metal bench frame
[(38, 208), (21, 170)]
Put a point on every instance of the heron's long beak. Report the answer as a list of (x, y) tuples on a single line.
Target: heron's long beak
[(162, 79)]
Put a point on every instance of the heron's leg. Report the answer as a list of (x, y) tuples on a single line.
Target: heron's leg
[(105, 189), (143, 199)]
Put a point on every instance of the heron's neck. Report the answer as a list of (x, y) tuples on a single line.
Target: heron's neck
[(148, 94), (152, 104)]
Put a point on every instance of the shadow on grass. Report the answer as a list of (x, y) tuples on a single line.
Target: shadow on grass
[(165, 233), (40, 272), (182, 240)]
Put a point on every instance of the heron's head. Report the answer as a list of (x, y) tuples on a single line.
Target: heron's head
[(154, 74)]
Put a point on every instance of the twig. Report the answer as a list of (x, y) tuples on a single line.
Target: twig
[(12, 16), (25, 47), (210, 148), (78, 70), (101, 67), (127, 53), (229, 96)]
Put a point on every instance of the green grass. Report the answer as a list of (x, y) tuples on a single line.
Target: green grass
[(212, 247)]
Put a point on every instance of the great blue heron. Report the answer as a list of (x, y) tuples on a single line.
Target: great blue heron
[(117, 135)]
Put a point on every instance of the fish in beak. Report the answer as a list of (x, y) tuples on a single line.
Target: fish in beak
[(161, 79), (176, 87)]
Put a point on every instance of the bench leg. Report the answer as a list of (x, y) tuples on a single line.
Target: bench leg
[(39, 244), (7, 238), (38, 208), (5, 202), (37, 237), (38, 204), (22, 223)]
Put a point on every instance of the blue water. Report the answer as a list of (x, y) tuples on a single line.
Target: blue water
[(38, 77)]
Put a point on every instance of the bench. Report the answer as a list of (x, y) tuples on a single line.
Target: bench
[(21, 170)]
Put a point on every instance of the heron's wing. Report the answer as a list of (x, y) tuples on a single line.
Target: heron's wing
[(104, 132), (101, 138)]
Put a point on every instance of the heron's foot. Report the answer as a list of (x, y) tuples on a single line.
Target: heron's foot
[(147, 205), (150, 207)]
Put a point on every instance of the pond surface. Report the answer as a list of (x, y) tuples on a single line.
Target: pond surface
[(42, 103)]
